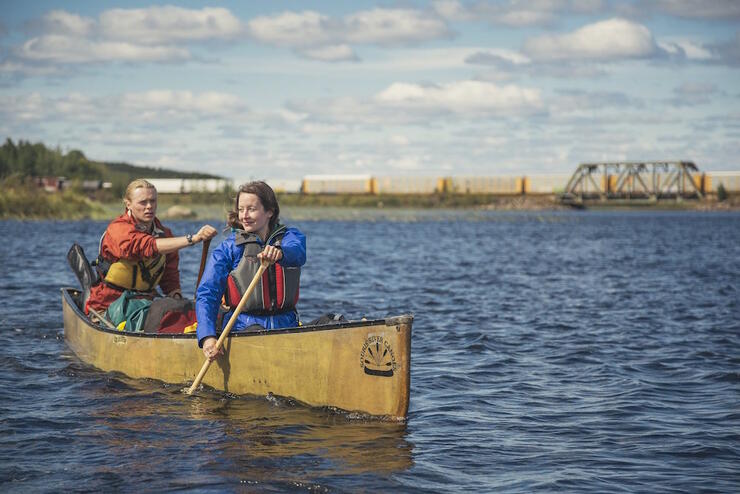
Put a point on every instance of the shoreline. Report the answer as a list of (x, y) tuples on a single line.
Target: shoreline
[(182, 207), (217, 213)]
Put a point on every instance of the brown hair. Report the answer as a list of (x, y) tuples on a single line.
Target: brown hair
[(136, 184), (267, 198)]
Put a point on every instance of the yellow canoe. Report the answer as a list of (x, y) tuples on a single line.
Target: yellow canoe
[(357, 366)]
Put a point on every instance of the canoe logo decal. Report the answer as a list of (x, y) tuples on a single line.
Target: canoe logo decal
[(377, 357)]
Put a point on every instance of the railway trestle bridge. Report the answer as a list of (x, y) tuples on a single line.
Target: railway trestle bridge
[(635, 181)]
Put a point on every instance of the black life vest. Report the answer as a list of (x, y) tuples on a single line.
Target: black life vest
[(276, 291)]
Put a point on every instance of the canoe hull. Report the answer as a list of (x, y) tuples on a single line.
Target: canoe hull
[(361, 366)]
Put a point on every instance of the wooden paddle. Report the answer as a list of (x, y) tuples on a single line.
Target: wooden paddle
[(102, 318), (203, 257), (230, 324)]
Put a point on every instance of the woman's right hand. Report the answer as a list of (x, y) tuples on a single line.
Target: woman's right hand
[(205, 232), (209, 349)]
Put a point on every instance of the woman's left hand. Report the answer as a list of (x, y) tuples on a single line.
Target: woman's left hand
[(270, 253)]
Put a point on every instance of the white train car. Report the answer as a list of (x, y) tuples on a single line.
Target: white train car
[(504, 185), (279, 185), (407, 185), (729, 180), (167, 185), (189, 185), (282, 186), (337, 184), (211, 185), (546, 184)]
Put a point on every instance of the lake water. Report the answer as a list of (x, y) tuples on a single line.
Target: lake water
[(578, 351)]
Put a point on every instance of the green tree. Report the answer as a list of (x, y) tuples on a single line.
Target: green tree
[(721, 193)]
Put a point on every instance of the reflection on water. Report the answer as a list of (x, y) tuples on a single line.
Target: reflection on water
[(251, 439)]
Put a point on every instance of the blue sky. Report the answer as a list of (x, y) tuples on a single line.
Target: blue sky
[(287, 89)]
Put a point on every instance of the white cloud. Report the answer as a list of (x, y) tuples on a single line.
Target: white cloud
[(61, 22), (693, 94), (162, 106), (605, 40), (65, 49), (24, 108), (429, 59), (168, 24), (516, 13), (330, 53), (377, 26), (293, 29), (121, 35), (407, 104), (180, 104), (586, 102), (463, 97), (393, 26), (692, 9), (685, 48), (399, 140), (452, 10), (314, 128), (497, 56), (409, 163)]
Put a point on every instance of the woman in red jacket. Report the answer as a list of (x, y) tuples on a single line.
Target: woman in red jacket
[(138, 253)]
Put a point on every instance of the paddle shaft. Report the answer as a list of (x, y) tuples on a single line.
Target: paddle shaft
[(230, 324), (101, 318), (203, 257)]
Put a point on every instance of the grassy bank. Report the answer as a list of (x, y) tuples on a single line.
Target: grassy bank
[(28, 202), (19, 200)]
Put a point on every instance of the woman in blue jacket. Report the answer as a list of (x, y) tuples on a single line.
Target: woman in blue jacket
[(257, 235)]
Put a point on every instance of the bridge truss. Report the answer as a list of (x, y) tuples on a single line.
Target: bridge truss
[(644, 180)]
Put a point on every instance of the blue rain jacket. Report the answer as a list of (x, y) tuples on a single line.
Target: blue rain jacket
[(223, 260)]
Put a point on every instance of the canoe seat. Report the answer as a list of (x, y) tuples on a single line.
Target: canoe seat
[(81, 268)]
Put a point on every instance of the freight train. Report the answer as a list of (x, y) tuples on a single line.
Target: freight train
[(535, 184)]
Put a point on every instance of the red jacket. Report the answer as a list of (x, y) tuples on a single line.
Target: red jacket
[(123, 240)]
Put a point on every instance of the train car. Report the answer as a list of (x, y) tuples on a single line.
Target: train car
[(189, 185), (546, 184), (167, 185), (407, 185), (279, 185), (730, 181), (337, 184), (283, 186), (504, 185)]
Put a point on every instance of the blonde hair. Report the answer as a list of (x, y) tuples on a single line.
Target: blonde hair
[(139, 183)]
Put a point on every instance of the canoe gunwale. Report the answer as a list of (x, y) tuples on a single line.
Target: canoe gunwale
[(390, 321), (332, 365)]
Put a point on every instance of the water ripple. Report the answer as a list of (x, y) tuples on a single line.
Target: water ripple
[(568, 352)]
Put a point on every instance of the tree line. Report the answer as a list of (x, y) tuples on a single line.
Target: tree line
[(27, 160)]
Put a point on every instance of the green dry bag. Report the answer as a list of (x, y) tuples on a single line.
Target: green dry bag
[(129, 307)]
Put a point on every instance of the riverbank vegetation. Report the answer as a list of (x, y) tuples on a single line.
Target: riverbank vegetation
[(27, 161), (22, 200)]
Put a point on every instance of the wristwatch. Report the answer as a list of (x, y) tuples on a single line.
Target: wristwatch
[(189, 236)]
